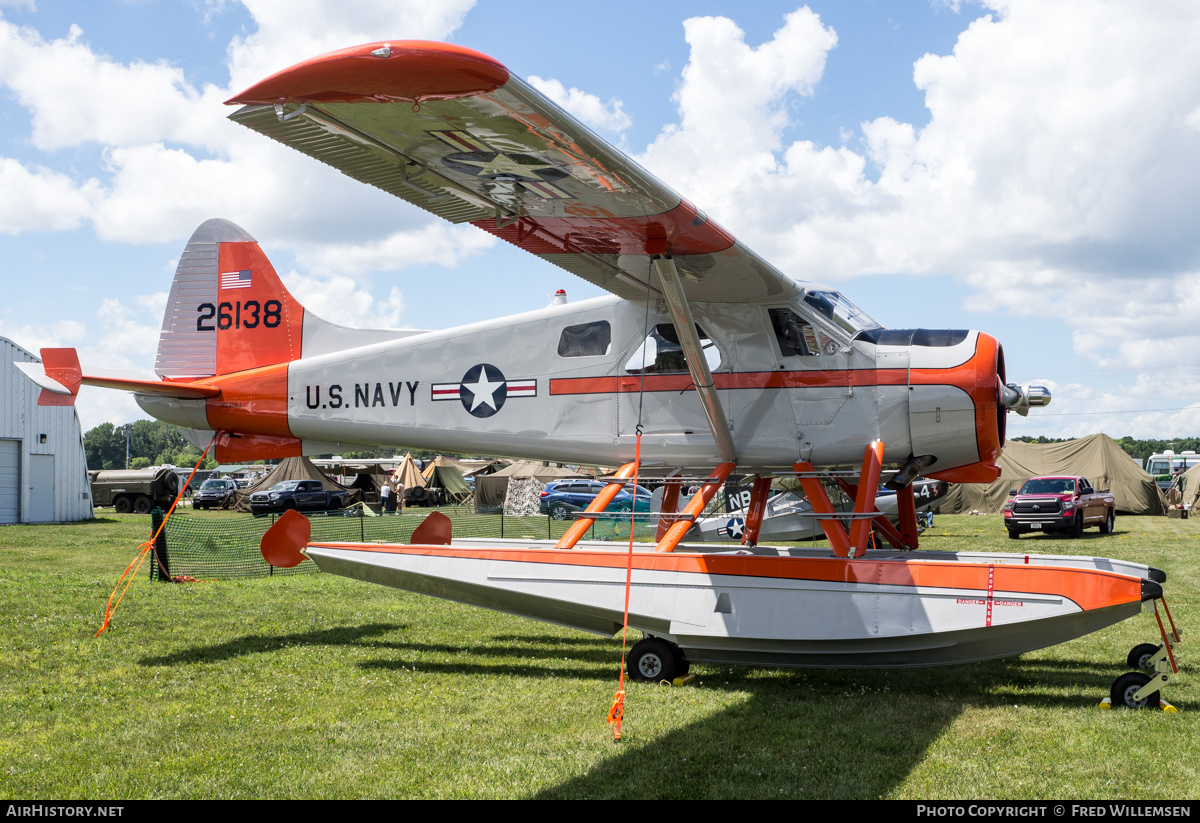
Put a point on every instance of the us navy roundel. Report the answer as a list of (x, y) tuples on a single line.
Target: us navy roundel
[(483, 390)]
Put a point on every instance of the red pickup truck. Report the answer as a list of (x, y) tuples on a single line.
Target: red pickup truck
[(1058, 504)]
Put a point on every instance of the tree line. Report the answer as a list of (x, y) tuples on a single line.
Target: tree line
[(155, 443)]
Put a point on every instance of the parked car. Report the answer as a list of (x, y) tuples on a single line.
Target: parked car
[(561, 497), (214, 493), (302, 495), (1058, 504)]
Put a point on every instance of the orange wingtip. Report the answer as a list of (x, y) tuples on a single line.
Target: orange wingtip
[(412, 70), (283, 544)]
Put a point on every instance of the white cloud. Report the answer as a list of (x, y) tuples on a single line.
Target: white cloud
[(290, 32), (43, 200), (343, 300), (59, 334), (77, 96), (437, 243), (732, 107), (1058, 174), (587, 107)]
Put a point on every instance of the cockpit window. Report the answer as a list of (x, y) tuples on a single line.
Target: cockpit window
[(662, 354), (794, 334), (840, 311), (585, 340)]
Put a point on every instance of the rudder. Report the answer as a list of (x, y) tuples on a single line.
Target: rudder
[(227, 311)]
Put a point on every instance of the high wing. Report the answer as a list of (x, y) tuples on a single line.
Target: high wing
[(452, 131)]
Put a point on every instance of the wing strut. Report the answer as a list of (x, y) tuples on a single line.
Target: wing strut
[(685, 328)]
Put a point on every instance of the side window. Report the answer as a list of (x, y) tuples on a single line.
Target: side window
[(661, 353), (585, 340), (794, 335)]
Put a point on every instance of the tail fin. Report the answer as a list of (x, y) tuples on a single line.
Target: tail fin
[(228, 311)]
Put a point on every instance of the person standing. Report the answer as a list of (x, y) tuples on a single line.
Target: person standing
[(385, 497)]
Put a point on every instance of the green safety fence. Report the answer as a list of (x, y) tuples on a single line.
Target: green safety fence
[(226, 547)]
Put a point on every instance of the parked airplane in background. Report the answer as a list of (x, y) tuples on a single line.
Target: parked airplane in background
[(702, 355)]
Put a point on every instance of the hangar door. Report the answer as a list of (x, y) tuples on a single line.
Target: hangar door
[(10, 481)]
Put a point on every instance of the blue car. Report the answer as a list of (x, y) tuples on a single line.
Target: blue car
[(561, 497)]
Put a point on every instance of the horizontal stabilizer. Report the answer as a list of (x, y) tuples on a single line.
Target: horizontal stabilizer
[(60, 375)]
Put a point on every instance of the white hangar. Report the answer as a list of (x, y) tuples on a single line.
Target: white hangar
[(43, 469)]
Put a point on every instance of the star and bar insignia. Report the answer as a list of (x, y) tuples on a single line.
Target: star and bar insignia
[(483, 390), (477, 159)]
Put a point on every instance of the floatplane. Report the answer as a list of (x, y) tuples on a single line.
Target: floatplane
[(702, 359)]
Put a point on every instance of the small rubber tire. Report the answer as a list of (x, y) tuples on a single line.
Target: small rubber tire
[(1014, 534), (1139, 656), (1109, 523), (652, 661), (558, 512), (682, 664), (1126, 686), (1076, 528), (123, 505)]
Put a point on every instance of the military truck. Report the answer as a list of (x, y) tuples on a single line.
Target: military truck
[(135, 490)]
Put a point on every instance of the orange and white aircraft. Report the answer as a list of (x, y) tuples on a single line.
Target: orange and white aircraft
[(702, 348)]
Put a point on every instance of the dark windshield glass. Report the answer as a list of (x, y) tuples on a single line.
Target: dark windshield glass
[(1049, 485), (841, 312)]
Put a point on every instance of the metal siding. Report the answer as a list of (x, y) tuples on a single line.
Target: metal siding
[(23, 422), (10, 481)]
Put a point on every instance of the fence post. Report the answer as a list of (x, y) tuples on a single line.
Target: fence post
[(160, 547), (362, 515), (502, 524)]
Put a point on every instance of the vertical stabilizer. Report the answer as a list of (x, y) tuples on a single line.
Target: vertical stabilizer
[(227, 311)]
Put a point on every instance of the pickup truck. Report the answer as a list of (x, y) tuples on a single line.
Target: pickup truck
[(302, 495), (1058, 504)]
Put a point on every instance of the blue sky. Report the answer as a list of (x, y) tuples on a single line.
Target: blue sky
[(1025, 168)]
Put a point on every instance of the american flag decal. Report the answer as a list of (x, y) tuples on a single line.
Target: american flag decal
[(235, 279)]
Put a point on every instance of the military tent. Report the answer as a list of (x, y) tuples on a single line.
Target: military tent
[(449, 485), (1096, 457), (490, 490), (291, 468)]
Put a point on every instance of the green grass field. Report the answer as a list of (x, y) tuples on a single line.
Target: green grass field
[(317, 686)]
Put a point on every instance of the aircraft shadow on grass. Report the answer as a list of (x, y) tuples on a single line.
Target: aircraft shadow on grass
[(262, 643), (820, 733)]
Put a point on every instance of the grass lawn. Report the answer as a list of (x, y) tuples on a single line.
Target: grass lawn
[(318, 686)]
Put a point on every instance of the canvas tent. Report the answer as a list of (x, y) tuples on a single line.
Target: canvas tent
[(291, 468), (491, 489), (1096, 457), (449, 482), (438, 462), (1189, 487)]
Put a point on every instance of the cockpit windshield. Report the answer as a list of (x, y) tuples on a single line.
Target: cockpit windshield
[(841, 312)]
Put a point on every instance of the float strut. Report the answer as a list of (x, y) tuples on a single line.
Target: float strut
[(756, 510), (695, 508), (854, 543), (599, 503)]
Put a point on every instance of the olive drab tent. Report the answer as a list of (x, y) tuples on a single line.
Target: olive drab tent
[(449, 483), (291, 468), (490, 490), (1096, 457)]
